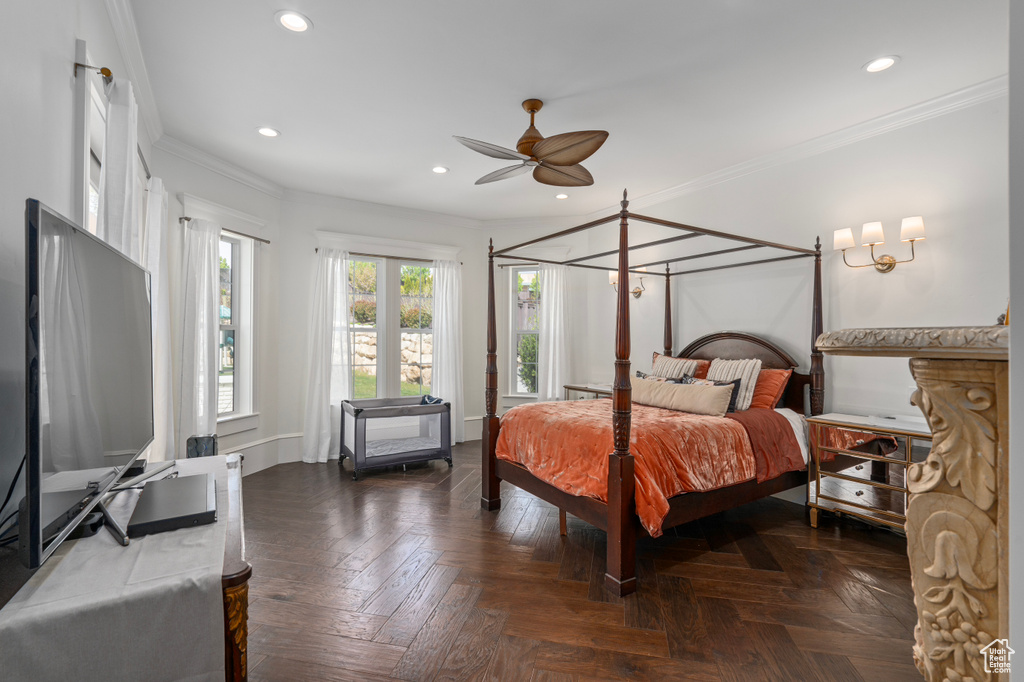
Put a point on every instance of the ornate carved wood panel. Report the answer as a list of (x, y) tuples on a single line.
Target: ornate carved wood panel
[(957, 523)]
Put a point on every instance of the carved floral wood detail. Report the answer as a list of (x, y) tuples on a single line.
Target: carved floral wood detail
[(236, 606), (924, 341), (952, 517)]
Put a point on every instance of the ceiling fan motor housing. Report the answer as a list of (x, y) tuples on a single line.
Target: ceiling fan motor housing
[(531, 137)]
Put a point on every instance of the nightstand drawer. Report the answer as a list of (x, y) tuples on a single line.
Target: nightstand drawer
[(853, 492)]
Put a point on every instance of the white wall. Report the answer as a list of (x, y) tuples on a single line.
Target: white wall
[(950, 169)]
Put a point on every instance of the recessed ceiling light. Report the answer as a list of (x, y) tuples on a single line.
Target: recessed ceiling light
[(293, 21), (440, 169), (881, 64), (561, 196), (268, 132)]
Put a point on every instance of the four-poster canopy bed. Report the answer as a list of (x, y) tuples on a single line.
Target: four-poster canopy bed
[(618, 515)]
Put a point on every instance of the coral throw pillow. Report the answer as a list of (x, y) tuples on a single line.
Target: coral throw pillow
[(771, 384)]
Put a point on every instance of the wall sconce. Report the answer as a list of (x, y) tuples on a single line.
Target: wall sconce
[(613, 279), (911, 230)]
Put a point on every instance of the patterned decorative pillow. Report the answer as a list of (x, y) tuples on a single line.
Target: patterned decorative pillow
[(735, 383), (672, 368), (744, 370)]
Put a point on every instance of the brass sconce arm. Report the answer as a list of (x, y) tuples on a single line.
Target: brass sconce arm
[(885, 262), (636, 290)]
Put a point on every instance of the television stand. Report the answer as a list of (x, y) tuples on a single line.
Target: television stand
[(196, 579), (115, 528)]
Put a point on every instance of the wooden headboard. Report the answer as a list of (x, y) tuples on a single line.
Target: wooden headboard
[(740, 346)]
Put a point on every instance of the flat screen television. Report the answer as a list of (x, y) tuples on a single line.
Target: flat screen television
[(89, 376)]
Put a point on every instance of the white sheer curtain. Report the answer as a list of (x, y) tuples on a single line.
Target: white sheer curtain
[(329, 365), (553, 363), (197, 407), (155, 260), (447, 371), (118, 219)]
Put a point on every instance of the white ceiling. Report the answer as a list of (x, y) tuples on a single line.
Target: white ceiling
[(368, 101)]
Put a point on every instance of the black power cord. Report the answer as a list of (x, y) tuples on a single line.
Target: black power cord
[(10, 491)]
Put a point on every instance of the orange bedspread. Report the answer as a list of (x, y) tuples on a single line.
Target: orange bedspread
[(567, 445)]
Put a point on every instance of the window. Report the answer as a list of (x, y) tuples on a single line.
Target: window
[(525, 329), (234, 375), (391, 352), (365, 336)]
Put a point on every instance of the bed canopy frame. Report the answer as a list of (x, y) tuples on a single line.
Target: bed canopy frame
[(618, 517)]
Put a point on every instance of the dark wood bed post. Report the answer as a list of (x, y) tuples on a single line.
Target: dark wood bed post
[(668, 310), (620, 577), (490, 494), (817, 366)]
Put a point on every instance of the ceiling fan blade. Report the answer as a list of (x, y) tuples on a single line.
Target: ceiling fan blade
[(503, 173), (569, 148), (563, 176), (492, 150)]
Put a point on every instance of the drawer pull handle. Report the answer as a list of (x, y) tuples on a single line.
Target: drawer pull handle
[(859, 467), (859, 493)]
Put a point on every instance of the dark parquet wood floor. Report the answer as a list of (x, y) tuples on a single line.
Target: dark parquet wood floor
[(401, 575)]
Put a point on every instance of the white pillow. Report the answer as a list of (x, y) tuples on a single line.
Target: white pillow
[(744, 370)]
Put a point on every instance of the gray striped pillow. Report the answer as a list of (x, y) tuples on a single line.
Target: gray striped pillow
[(673, 368), (744, 370)]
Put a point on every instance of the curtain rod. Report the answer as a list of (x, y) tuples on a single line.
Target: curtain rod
[(185, 219), (377, 255), (145, 166)]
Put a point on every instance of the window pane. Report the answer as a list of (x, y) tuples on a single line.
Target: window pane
[(226, 258), (526, 363), (362, 293), (226, 373), (364, 364), (416, 310), (527, 300), (417, 363)]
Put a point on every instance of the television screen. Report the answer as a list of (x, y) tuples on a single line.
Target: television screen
[(89, 373)]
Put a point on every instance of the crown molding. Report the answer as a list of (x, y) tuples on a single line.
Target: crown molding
[(542, 222), (383, 210), (217, 165), (394, 248), (122, 20), (198, 207), (970, 96)]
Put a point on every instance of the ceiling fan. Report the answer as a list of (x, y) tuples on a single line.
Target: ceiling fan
[(554, 160)]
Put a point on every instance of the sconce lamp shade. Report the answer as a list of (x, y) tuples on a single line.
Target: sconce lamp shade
[(872, 234), (843, 239), (613, 278), (912, 229)]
